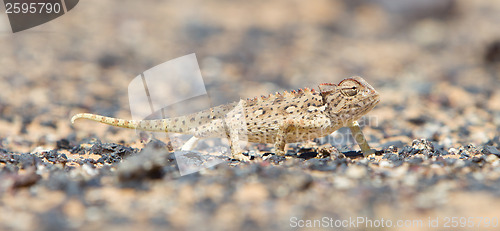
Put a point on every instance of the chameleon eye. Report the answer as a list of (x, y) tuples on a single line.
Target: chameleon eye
[(349, 91), (349, 88)]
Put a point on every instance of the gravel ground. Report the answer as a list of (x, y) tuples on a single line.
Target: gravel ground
[(436, 65)]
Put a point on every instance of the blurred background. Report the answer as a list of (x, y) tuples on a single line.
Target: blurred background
[(435, 63)]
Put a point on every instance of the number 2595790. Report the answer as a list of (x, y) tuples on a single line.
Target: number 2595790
[(32, 8)]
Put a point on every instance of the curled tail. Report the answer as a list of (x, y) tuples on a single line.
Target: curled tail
[(145, 125)]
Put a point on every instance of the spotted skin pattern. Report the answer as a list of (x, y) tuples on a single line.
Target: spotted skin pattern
[(281, 118)]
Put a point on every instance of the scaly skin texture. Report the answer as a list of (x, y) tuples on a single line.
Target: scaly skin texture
[(281, 118)]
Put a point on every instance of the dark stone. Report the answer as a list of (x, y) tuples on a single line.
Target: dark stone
[(199, 31), (341, 163), (25, 160), (321, 165), (302, 150), (421, 146), (477, 160), (450, 161), (391, 157), (63, 144), (464, 156), (439, 149), (494, 141), (60, 180), (25, 180), (396, 143), (109, 60), (250, 224), (206, 205), (296, 180), (415, 160), (156, 144), (55, 157), (491, 150), (49, 123), (492, 52), (276, 159), (53, 219), (418, 120), (159, 221), (410, 11), (77, 150), (464, 131), (111, 152), (147, 164), (267, 154), (405, 151), (353, 154), (307, 155), (25, 123)]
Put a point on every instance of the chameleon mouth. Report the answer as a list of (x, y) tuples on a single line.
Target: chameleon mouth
[(374, 96), (376, 99)]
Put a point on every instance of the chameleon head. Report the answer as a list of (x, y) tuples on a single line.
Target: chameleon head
[(349, 100)]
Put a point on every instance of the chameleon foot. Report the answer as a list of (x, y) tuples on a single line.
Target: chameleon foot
[(241, 157)]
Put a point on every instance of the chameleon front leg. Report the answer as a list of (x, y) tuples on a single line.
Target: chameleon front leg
[(190, 144), (360, 138), (219, 128), (280, 140)]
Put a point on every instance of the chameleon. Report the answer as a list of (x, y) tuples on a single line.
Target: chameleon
[(279, 118)]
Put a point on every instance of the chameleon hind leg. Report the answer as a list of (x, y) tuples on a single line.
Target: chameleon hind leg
[(219, 128), (297, 128), (236, 130), (236, 151)]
